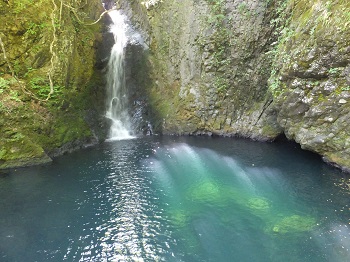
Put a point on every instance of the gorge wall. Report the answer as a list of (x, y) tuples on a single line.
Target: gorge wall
[(310, 79), (254, 68), (209, 65), (48, 45)]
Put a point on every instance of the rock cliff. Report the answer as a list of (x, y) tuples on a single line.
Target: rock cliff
[(310, 80), (254, 68), (209, 65)]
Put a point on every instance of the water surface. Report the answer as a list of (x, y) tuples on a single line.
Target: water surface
[(177, 199)]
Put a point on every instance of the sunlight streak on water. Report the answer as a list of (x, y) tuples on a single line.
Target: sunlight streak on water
[(130, 223), (261, 191), (239, 172)]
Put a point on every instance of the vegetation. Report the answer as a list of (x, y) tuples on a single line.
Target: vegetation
[(220, 44), (283, 33), (307, 21), (48, 78), (48, 65)]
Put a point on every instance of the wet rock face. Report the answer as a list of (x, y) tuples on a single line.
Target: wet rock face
[(313, 94), (210, 62), (209, 65), (108, 4)]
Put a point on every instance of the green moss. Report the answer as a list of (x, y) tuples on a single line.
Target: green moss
[(19, 150), (34, 126), (270, 132), (210, 192), (321, 98), (338, 157)]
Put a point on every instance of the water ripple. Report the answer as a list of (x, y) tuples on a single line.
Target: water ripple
[(138, 200)]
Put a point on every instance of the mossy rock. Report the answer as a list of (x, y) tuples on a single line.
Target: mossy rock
[(19, 150), (211, 192), (258, 203), (33, 128), (208, 191), (294, 224)]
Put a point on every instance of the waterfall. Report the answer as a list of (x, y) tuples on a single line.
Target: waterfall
[(117, 99)]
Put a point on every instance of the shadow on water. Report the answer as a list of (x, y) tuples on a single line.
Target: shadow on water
[(4, 174)]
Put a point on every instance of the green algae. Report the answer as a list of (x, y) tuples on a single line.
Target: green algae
[(210, 192), (19, 150)]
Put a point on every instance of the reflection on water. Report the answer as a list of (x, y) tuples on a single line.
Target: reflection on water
[(176, 199)]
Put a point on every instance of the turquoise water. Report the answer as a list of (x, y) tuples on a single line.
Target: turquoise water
[(177, 199)]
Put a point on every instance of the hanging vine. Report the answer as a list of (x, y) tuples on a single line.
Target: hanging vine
[(54, 57), (53, 54), (24, 90), (74, 11), (56, 17)]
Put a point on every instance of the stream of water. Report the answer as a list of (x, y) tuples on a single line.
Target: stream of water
[(176, 199), (117, 97)]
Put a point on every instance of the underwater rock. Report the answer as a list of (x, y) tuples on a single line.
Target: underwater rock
[(294, 224), (205, 192), (257, 203)]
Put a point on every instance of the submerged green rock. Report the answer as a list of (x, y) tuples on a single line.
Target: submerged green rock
[(180, 218), (205, 192), (211, 192), (260, 204), (294, 224)]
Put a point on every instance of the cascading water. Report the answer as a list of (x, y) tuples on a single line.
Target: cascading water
[(117, 102)]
